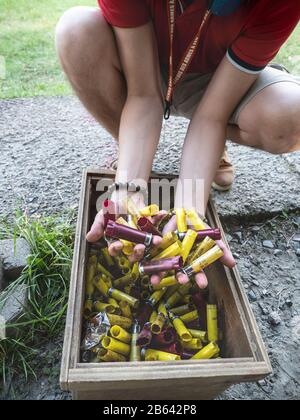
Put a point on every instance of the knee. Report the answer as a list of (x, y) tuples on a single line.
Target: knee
[(76, 31), (280, 129)]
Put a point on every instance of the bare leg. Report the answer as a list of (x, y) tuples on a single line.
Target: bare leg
[(271, 120), (88, 54)]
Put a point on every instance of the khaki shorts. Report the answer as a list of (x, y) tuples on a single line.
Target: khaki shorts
[(191, 89)]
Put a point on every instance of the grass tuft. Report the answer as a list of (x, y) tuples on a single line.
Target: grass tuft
[(46, 278)]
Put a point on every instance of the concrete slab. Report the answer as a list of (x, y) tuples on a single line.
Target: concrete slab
[(14, 255), (14, 304), (46, 142)]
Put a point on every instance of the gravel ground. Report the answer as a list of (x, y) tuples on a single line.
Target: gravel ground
[(270, 273), (45, 144)]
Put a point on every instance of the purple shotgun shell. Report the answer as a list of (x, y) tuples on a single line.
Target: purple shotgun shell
[(117, 231), (168, 264), (214, 234), (167, 336), (146, 226), (145, 336)]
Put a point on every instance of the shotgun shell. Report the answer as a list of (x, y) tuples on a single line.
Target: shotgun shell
[(118, 295), (101, 285), (212, 322), (132, 209), (180, 328), (157, 296), (150, 211), (126, 323), (151, 267), (158, 324), (110, 343), (107, 257), (204, 261), (117, 231), (128, 247), (190, 317), (194, 344), (104, 307), (135, 271), (183, 309), (135, 351), (181, 220), (166, 337), (145, 336), (152, 355), (120, 334), (166, 282), (202, 335), (146, 226), (174, 250), (123, 281), (195, 219), (145, 294), (182, 291), (145, 282), (201, 249), (207, 352), (110, 356), (153, 317), (103, 271), (188, 243), (173, 348), (88, 308), (125, 309), (214, 234), (114, 303), (167, 240)]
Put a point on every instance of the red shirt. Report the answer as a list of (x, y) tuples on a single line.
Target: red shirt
[(251, 36)]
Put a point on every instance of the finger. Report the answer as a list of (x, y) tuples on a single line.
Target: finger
[(201, 280), (156, 241), (170, 226), (115, 248), (182, 278), (159, 217), (228, 258), (96, 232), (138, 253), (155, 279)]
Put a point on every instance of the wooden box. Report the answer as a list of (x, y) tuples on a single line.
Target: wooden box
[(245, 358)]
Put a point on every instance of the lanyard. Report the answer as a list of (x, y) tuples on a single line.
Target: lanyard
[(187, 57)]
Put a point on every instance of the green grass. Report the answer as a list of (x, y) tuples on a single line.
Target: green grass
[(27, 43), (46, 278)]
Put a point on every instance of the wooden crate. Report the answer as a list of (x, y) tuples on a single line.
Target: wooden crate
[(245, 358)]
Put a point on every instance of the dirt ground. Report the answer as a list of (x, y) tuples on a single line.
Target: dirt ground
[(268, 255)]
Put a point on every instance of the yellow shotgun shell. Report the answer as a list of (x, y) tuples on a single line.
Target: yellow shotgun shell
[(204, 261), (114, 303), (123, 281), (111, 343), (126, 323), (145, 282), (182, 291), (212, 322), (135, 351), (120, 334), (173, 251), (135, 272), (190, 316), (88, 308), (202, 248), (183, 309), (125, 309), (208, 352), (157, 296), (188, 243), (158, 324), (180, 328), (166, 282), (195, 219), (108, 258), (181, 220), (161, 356), (202, 335), (110, 356), (194, 344), (103, 270), (153, 317), (101, 285), (119, 295), (104, 307), (150, 211), (167, 240)]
